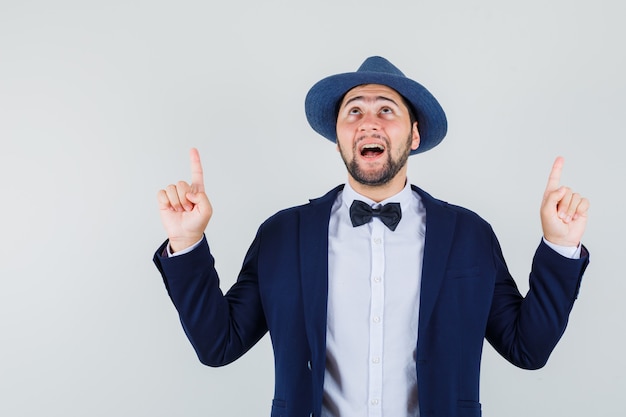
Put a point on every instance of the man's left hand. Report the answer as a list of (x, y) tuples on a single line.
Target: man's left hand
[(563, 212)]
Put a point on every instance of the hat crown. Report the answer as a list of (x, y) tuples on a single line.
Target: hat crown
[(379, 64)]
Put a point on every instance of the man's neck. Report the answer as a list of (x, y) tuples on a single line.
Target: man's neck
[(381, 192)]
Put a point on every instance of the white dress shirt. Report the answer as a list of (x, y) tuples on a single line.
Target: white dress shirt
[(373, 305)]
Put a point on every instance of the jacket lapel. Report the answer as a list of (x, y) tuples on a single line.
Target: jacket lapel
[(440, 225), (314, 274)]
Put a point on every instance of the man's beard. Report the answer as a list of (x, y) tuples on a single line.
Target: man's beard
[(386, 173)]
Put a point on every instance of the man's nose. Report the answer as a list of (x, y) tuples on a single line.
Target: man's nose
[(369, 122)]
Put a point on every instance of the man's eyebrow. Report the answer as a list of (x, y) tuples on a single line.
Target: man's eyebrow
[(377, 98)]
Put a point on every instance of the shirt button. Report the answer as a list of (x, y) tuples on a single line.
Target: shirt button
[(377, 240), (374, 402), (376, 360), (376, 319), (377, 279), (308, 364)]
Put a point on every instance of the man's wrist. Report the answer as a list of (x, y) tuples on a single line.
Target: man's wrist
[(181, 247), (572, 252)]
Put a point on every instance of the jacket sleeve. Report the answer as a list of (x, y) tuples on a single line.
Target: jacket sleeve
[(525, 330), (221, 327)]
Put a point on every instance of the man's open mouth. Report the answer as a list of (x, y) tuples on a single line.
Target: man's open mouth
[(372, 150)]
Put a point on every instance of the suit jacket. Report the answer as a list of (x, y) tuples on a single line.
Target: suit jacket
[(467, 295)]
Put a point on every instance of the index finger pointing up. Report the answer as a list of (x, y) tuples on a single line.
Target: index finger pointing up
[(197, 176), (555, 175)]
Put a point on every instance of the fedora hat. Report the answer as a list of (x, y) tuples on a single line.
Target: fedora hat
[(322, 101)]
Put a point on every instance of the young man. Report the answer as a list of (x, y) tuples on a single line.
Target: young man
[(377, 296)]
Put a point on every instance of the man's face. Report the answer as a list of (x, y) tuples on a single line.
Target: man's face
[(374, 134)]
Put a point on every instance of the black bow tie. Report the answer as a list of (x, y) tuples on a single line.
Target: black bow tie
[(361, 213)]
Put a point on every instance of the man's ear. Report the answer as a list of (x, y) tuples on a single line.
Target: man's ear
[(415, 134)]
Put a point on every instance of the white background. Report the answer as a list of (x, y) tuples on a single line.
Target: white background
[(101, 101)]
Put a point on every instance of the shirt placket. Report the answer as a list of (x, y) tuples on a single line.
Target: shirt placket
[(376, 319)]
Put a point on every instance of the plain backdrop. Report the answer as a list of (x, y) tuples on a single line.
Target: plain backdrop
[(100, 102)]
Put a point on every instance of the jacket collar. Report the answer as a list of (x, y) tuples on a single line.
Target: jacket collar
[(314, 220), (440, 226)]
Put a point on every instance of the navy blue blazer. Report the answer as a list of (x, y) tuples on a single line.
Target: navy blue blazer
[(467, 295)]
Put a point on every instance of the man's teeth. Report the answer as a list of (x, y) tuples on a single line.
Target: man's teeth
[(372, 149)]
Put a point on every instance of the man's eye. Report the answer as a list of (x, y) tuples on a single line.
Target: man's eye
[(354, 111), (386, 110)]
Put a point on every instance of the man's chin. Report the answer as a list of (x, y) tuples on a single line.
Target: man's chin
[(372, 178)]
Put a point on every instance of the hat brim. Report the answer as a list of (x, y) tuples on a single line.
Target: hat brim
[(323, 98)]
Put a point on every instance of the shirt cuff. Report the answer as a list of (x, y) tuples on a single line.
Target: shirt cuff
[(571, 252), (182, 251)]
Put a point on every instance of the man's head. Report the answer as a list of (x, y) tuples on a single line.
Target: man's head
[(324, 98), (375, 132)]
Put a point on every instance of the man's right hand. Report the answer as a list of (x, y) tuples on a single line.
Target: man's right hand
[(185, 209)]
